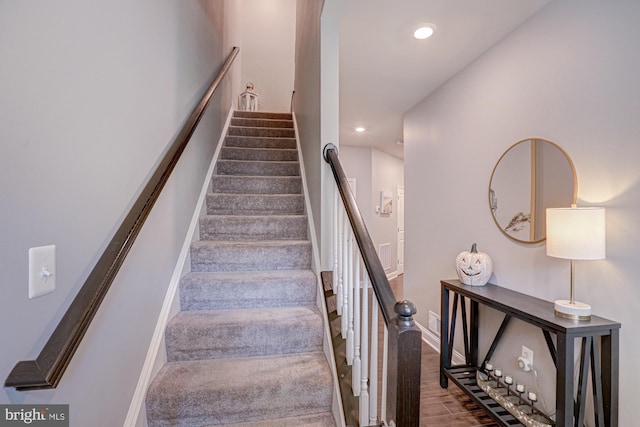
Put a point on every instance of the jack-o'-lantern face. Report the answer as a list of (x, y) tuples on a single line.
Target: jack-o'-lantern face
[(474, 268)]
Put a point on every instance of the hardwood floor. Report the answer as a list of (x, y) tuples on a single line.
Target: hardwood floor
[(440, 407)]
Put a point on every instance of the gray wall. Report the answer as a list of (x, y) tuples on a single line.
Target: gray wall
[(268, 37), (375, 171), (568, 75), (91, 95), (307, 98)]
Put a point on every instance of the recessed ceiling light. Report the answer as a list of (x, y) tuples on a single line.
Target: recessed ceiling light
[(360, 129), (424, 31)]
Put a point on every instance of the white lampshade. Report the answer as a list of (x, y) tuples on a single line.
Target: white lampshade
[(576, 233)]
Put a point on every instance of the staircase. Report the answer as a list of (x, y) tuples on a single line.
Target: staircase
[(246, 348)]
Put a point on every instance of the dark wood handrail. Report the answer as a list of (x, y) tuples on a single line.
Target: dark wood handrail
[(46, 371), (370, 258), (404, 338)]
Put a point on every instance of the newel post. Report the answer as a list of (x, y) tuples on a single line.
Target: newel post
[(403, 380)]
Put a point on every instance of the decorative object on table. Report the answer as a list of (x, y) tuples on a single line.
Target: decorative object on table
[(474, 268), (522, 409), (575, 234), (248, 99)]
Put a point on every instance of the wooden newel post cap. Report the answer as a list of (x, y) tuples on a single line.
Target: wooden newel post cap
[(405, 311)]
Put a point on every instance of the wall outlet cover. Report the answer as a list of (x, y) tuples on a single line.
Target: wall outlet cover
[(434, 323), (42, 270)]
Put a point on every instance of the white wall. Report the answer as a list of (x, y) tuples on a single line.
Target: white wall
[(568, 75), (375, 171), (268, 45), (91, 96)]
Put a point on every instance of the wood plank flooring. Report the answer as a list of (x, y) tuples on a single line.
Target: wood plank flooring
[(440, 407)]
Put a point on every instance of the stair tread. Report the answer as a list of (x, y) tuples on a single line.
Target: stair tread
[(217, 391)]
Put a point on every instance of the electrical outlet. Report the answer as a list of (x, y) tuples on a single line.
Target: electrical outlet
[(434, 323), (527, 353)]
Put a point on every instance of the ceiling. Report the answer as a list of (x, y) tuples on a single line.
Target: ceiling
[(384, 71)]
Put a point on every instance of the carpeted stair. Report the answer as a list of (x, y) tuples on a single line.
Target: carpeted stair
[(246, 349)]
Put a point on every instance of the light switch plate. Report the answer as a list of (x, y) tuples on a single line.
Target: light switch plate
[(42, 270)]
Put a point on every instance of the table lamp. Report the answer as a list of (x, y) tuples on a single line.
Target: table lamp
[(575, 234)]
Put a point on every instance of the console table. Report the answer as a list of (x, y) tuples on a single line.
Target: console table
[(599, 351)]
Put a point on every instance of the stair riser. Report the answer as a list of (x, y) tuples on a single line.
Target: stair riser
[(213, 291), (262, 115), (256, 168), (258, 204), (261, 123), (271, 155), (218, 257), (256, 185), (235, 228), (261, 132), (199, 336), (315, 420), (206, 395), (253, 142)]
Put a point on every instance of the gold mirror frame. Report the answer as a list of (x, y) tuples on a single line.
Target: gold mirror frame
[(538, 151)]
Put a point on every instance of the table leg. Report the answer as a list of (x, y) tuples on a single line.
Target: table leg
[(564, 381), (610, 377), (444, 337)]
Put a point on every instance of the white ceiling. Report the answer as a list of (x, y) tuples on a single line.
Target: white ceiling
[(384, 71)]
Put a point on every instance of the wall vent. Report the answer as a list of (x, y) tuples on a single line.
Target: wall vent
[(384, 252)]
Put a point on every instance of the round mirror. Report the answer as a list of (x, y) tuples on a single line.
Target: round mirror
[(531, 176)]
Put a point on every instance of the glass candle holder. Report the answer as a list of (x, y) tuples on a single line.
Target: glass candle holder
[(498, 374), (533, 398), (508, 380), (519, 390), (488, 367)]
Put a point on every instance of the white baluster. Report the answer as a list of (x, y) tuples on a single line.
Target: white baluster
[(350, 308), (338, 280), (373, 375), (355, 378), (336, 237), (364, 380), (385, 360), (345, 275)]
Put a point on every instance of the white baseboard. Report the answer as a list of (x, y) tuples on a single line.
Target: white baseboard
[(433, 341), (136, 416)]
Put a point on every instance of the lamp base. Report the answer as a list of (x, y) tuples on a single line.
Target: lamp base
[(575, 311)]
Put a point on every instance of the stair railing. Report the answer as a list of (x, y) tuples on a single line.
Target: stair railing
[(47, 369), (356, 269)]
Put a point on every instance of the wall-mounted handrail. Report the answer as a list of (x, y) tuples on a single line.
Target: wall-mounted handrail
[(402, 357), (47, 369)]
